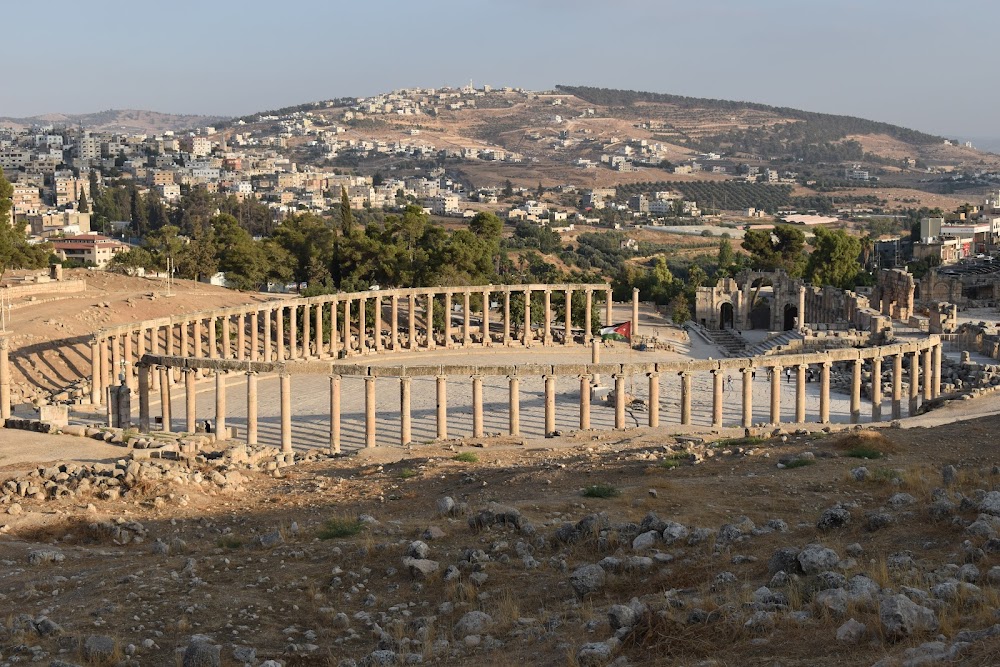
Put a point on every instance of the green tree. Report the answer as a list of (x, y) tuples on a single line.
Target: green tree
[(241, 258), (834, 259), (726, 255), (15, 251), (309, 242), (84, 205), (346, 215)]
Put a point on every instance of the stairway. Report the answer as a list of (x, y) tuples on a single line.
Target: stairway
[(727, 340), (771, 344)]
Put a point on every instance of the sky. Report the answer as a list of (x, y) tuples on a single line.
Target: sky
[(925, 64)]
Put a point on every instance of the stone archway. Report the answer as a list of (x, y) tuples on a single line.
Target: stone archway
[(791, 316), (726, 316), (760, 314)]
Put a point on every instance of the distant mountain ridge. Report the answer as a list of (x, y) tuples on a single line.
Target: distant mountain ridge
[(118, 120)]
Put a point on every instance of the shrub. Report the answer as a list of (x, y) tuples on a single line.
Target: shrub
[(407, 473), (337, 528), (799, 463), (601, 491), (229, 542), (466, 457)]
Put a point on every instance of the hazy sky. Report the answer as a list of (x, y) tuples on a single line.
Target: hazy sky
[(926, 64)]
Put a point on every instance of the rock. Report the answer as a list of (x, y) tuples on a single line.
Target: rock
[(200, 653), (433, 533), (245, 654), (445, 506), (474, 623), (901, 500), (949, 475), (944, 509), (785, 560), (46, 627), (271, 539), (760, 622), (380, 658), (40, 556), (816, 558), (877, 520), (674, 532), (851, 632), (420, 568), (587, 579), (991, 504), (860, 474), (418, 549), (835, 517), (621, 616), (645, 541), (595, 654), (99, 648), (833, 601), (900, 617)]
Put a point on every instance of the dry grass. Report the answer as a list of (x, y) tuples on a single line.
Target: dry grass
[(868, 444)]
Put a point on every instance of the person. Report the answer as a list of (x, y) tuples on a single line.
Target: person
[(788, 376), (208, 426)]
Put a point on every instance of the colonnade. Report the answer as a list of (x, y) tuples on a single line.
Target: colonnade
[(338, 326), (922, 357)]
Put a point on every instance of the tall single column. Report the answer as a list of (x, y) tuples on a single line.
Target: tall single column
[(227, 338), (609, 307), (129, 359), (928, 364), (619, 401), (4, 378), (477, 406), (447, 320), (442, 407), (877, 389), (747, 397), (527, 318), (198, 335), (190, 401), (140, 344), (824, 392), (584, 402), (404, 410), (213, 333), (411, 316), (568, 323), (266, 347), (800, 393), (106, 371), (96, 381), (251, 408), (241, 336), (547, 333), (506, 317), (370, 411), (306, 330), (221, 432), (856, 392), (286, 414), (334, 336), (485, 323), (334, 414), (588, 316), (717, 399), (293, 332), (466, 320), (154, 349), (185, 342), (653, 412), (550, 405), (936, 370), (635, 311), (164, 397), (279, 334), (143, 372), (431, 344), (914, 382), (318, 332), (776, 395), (685, 398), (897, 386), (802, 308), (394, 322), (514, 405), (347, 328), (377, 307)]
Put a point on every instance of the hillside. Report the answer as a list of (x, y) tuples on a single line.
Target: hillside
[(118, 120)]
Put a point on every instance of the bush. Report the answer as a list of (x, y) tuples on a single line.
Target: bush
[(601, 491), (337, 528), (466, 457), (799, 463), (407, 473)]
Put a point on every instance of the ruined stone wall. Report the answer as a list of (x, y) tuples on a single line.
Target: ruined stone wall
[(893, 293)]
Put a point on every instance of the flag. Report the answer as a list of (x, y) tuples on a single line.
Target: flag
[(622, 332)]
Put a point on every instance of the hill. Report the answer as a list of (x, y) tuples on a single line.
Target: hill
[(118, 120)]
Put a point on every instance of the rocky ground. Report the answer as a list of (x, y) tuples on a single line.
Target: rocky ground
[(612, 548)]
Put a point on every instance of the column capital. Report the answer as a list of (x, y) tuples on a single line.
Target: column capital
[(656, 374), (514, 377), (247, 373), (585, 376), (826, 364), (477, 376), (688, 373)]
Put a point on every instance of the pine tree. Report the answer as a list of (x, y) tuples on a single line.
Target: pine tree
[(346, 217), (84, 205)]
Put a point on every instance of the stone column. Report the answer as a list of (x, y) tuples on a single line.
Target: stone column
[(466, 320), (334, 414), (587, 316), (568, 324), (286, 415), (143, 372), (334, 335), (635, 311), (619, 401), (4, 378), (107, 372), (164, 397), (185, 343), (347, 328), (584, 402), (241, 336), (856, 393), (190, 401), (227, 338), (251, 408), (717, 379), (800, 393), (747, 397), (254, 332), (527, 318), (198, 333), (824, 392), (293, 332), (411, 316), (897, 386), (477, 406), (370, 411), (431, 344), (876, 389), (279, 333), (936, 377), (547, 333), (116, 359), (653, 413), (318, 332), (487, 339), (447, 320), (267, 336), (550, 404), (506, 317), (377, 305), (609, 316), (914, 382), (776, 395), (394, 323), (306, 330), (802, 307), (213, 331), (442, 407), (220, 406), (928, 364), (404, 411), (96, 381), (514, 405), (154, 349)]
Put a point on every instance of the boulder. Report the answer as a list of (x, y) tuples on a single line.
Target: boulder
[(816, 558), (587, 579), (901, 617)]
